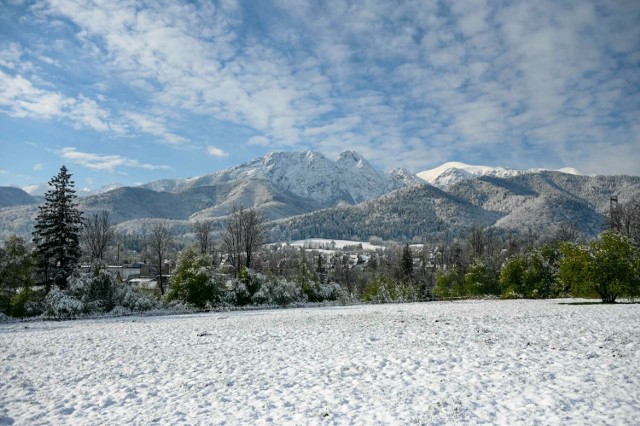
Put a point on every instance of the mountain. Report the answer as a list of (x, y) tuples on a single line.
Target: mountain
[(11, 197), (401, 215), (454, 172), (279, 185), (534, 201), (304, 194), (310, 175)]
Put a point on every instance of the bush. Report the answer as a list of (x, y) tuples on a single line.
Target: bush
[(60, 304), (608, 267), (128, 298), (532, 275), (26, 303), (449, 283), (193, 281), (95, 292), (278, 291), (480, 280)]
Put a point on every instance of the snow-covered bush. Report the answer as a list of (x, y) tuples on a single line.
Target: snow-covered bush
[(60, 304), (129, 298), (278, 291), (96, 289), (95, 292), (331, 291)]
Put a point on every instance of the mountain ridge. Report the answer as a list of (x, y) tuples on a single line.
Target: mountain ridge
[(309, 192)]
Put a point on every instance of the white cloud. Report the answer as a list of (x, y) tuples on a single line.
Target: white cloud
[(154, 126), (421, 81), (216, 152), (37, 166), (20, 98), (102, 162)]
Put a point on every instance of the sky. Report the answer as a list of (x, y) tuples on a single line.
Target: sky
[(130, 92)]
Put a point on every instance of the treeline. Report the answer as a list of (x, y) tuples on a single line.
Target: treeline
[(607, 268), (234, 266)]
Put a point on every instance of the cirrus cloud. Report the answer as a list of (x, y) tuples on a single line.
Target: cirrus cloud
[(104, 162)]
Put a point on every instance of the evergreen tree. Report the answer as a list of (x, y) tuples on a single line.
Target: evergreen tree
[(406, 264), (57, 228)]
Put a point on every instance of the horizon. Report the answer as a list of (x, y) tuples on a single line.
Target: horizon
[(131, 95)]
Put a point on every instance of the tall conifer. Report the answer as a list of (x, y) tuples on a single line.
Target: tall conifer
[(57, 228)]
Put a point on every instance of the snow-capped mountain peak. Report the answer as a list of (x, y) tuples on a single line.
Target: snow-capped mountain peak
[(352, 158), (310, 175)]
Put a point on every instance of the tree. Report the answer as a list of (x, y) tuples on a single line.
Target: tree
[(406, 264), (480, 280), (16, 270), (533, 274), (628, 217), (476, 241), (244, 234), (193, 279), (607, 267), (203, 229), (57, 228), (159, 244), (97, 234)]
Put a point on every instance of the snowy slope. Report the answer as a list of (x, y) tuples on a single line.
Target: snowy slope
[(453, 172), (305, 174), (477, 362)]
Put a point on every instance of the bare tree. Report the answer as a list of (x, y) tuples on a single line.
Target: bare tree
[(629, 219), (159, 245), (97, 234), (203, 229), (244, 234), (476, 241)]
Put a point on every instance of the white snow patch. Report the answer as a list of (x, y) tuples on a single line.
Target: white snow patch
[(453, 172), (329, 244), (480, 362)]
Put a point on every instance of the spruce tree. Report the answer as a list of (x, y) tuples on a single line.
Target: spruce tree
[(406, 264), (57, 228)]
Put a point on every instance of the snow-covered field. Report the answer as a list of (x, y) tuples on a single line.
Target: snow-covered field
[(506, 362)]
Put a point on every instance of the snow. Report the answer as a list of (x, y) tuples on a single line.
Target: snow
[(478, 362), (453, 172), (306, 174), (328, 243)]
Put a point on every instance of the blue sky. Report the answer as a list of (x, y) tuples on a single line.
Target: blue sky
[(129, 91)]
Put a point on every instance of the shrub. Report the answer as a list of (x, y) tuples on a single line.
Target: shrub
[(532, 275), (60, 304), (449, 283), (26, 303), (193, 281), (278, 291), (609, 267)]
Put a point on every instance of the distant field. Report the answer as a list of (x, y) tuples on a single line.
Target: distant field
[(506, 362)]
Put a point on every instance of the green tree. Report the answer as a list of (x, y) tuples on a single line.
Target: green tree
[(406, 264), (480, 280), (193, 281), (607, 267), (56, 232), (533, 274), (449, 283), (16, 274)]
